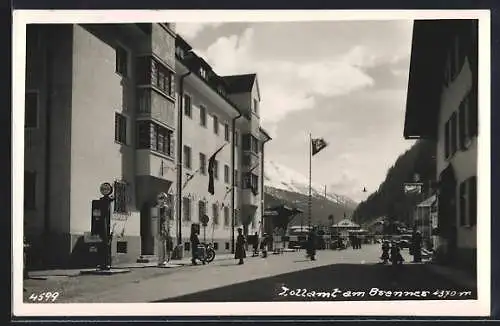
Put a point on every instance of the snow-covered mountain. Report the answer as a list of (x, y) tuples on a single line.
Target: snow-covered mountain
[(278, 176)]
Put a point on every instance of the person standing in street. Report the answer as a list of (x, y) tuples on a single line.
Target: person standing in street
[(256, 245), (195, 243), (240, 252), (311, 244)]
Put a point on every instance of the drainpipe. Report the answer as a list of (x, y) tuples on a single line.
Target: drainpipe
[(233, 159), (262, 186), (48, 110), (180, 114)]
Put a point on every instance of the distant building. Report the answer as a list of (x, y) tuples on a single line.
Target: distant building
[(442, 105), (102, 105)]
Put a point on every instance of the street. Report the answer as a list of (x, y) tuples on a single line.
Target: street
[(336, 275)]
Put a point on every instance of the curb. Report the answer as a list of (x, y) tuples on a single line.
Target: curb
[(450, 275)]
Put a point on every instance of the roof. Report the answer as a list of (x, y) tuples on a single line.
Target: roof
[(240, 83), (265, 134), (346, 223), (428, 202), (431, 39)]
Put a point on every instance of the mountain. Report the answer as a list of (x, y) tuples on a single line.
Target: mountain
[(283, 185), (390, 199)]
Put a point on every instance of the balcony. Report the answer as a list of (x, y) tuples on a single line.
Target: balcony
[(154, 105), (151, 163)]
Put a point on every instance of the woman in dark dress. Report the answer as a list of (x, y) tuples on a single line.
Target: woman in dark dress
[(240, 252)]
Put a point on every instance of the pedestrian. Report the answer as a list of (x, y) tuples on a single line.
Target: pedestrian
[(256, 245), (311, 244), (195, 243), (264, 244), (417, 247), (240, 252)]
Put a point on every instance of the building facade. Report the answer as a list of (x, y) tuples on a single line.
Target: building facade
[(442, 104), (102, 105)]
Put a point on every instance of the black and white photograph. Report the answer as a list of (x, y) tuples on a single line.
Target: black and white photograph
[(251, 162)]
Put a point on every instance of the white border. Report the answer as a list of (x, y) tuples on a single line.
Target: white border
[(480, 307)]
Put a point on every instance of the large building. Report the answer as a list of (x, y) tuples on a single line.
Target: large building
[(442, 104), (102, 105)]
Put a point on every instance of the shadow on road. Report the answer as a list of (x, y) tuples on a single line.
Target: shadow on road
[(340, 282)]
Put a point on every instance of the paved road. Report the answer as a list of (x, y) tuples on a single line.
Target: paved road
[(278, 277)]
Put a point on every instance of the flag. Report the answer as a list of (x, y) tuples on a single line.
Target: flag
[(189, 177), (317, 145), (211, 166)]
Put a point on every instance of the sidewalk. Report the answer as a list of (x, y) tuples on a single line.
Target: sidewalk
[(43, 274), (457, 276)]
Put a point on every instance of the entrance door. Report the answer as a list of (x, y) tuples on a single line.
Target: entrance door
[(147, 239), (447, 217)]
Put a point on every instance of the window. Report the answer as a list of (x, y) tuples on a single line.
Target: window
[(187, 157), (226, 173), (251, 181), (121, 61), (155, 137), (226, 132), (255, 145), (468, 202), (236, 178), (246, 142), (29, 190), (187, 106), (226, 216), (216, 170), (447, 139), (121, 247), (463, 203), (203, 73), (31, 109), (463, 125), (186, 209), (453, 135), (120, 129), (121, 197), (472, 184), (162, 78), (255, 106), (202, 209), (227, 246), (236, 139), (216, 125), (472, 112), (203, 164), (203, 116), (215, 214), (216, 246), (250, 143)]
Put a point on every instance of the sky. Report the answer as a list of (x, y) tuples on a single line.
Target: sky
[(343, 81)]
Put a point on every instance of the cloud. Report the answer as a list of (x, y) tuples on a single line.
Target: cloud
[(289, 86), (191, 30)]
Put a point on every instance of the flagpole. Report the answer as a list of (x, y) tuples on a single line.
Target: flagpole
[(310, 177)]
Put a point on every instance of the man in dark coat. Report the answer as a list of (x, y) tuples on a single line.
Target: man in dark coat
[(240, 252), (311, 244), (416, 244)]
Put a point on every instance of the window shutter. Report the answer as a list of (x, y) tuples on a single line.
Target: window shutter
[(447, 139), (473, 112), (472, 201), (462, 132), (463, 203)]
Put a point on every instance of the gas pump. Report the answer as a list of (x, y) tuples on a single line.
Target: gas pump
[(100, 226)]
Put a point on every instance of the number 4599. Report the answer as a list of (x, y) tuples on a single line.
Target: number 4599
[(44, 297)]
